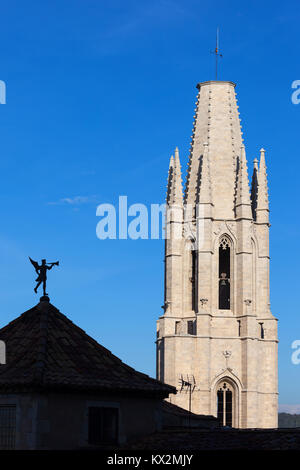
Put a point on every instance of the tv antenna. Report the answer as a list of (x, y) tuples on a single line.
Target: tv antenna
[(188, 386), (217, 52)]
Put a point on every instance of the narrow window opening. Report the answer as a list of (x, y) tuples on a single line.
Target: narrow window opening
[(225, 405), (224, 275), (190, 327), (177, 327), (7, 427), (220, 407), (228, 416), (262, 331), (239, 327), (103, 425), (194, 279)]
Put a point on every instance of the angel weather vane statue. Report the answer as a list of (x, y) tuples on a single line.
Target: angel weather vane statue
[(41, 270)]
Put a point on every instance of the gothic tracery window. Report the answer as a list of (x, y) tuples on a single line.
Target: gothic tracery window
[(224, 243)]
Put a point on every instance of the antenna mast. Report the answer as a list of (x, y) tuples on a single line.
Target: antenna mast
[(217, 52), (189, 386)]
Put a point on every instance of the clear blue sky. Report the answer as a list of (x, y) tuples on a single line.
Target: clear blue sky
[(98, 95)]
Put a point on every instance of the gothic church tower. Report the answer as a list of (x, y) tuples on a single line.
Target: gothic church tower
[(217, 327)]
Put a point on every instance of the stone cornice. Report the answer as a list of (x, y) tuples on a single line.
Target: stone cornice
[(215, 82), (241, 338)]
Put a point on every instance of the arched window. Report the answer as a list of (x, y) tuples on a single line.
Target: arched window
[(224, 274), (225, 404)]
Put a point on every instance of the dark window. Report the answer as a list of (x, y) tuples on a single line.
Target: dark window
[(190, 327), (239, 326), (220, 407), (224, 276), (262, 331), (224, 405), (194, 280), (7, 427), (228, 416), (177, 327), (103, 425)]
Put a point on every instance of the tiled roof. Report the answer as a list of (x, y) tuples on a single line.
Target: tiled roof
[(219, 439), (177, 410), (45, 350)]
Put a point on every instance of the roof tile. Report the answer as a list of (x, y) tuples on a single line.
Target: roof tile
[(47, 350)]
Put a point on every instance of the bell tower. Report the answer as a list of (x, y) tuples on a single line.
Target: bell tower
[(217, 326)]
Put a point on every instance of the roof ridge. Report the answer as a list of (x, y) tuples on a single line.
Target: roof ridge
[(42, 346)]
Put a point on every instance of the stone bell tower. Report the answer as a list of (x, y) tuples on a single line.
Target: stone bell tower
[(217, 329)]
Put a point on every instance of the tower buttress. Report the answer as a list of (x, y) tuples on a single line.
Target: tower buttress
[(262, 192), (243, 205), (262, 229), (173, 245), (204, 219), (244, 249)]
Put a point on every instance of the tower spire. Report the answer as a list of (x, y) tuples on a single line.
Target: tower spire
[(262, 190), (174, 181), (170, 179), (216, 122)]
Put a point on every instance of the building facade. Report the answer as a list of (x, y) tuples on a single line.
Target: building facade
[(217, 332)]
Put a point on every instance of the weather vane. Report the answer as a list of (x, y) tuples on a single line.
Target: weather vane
[(41, 270), (217, 53)]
